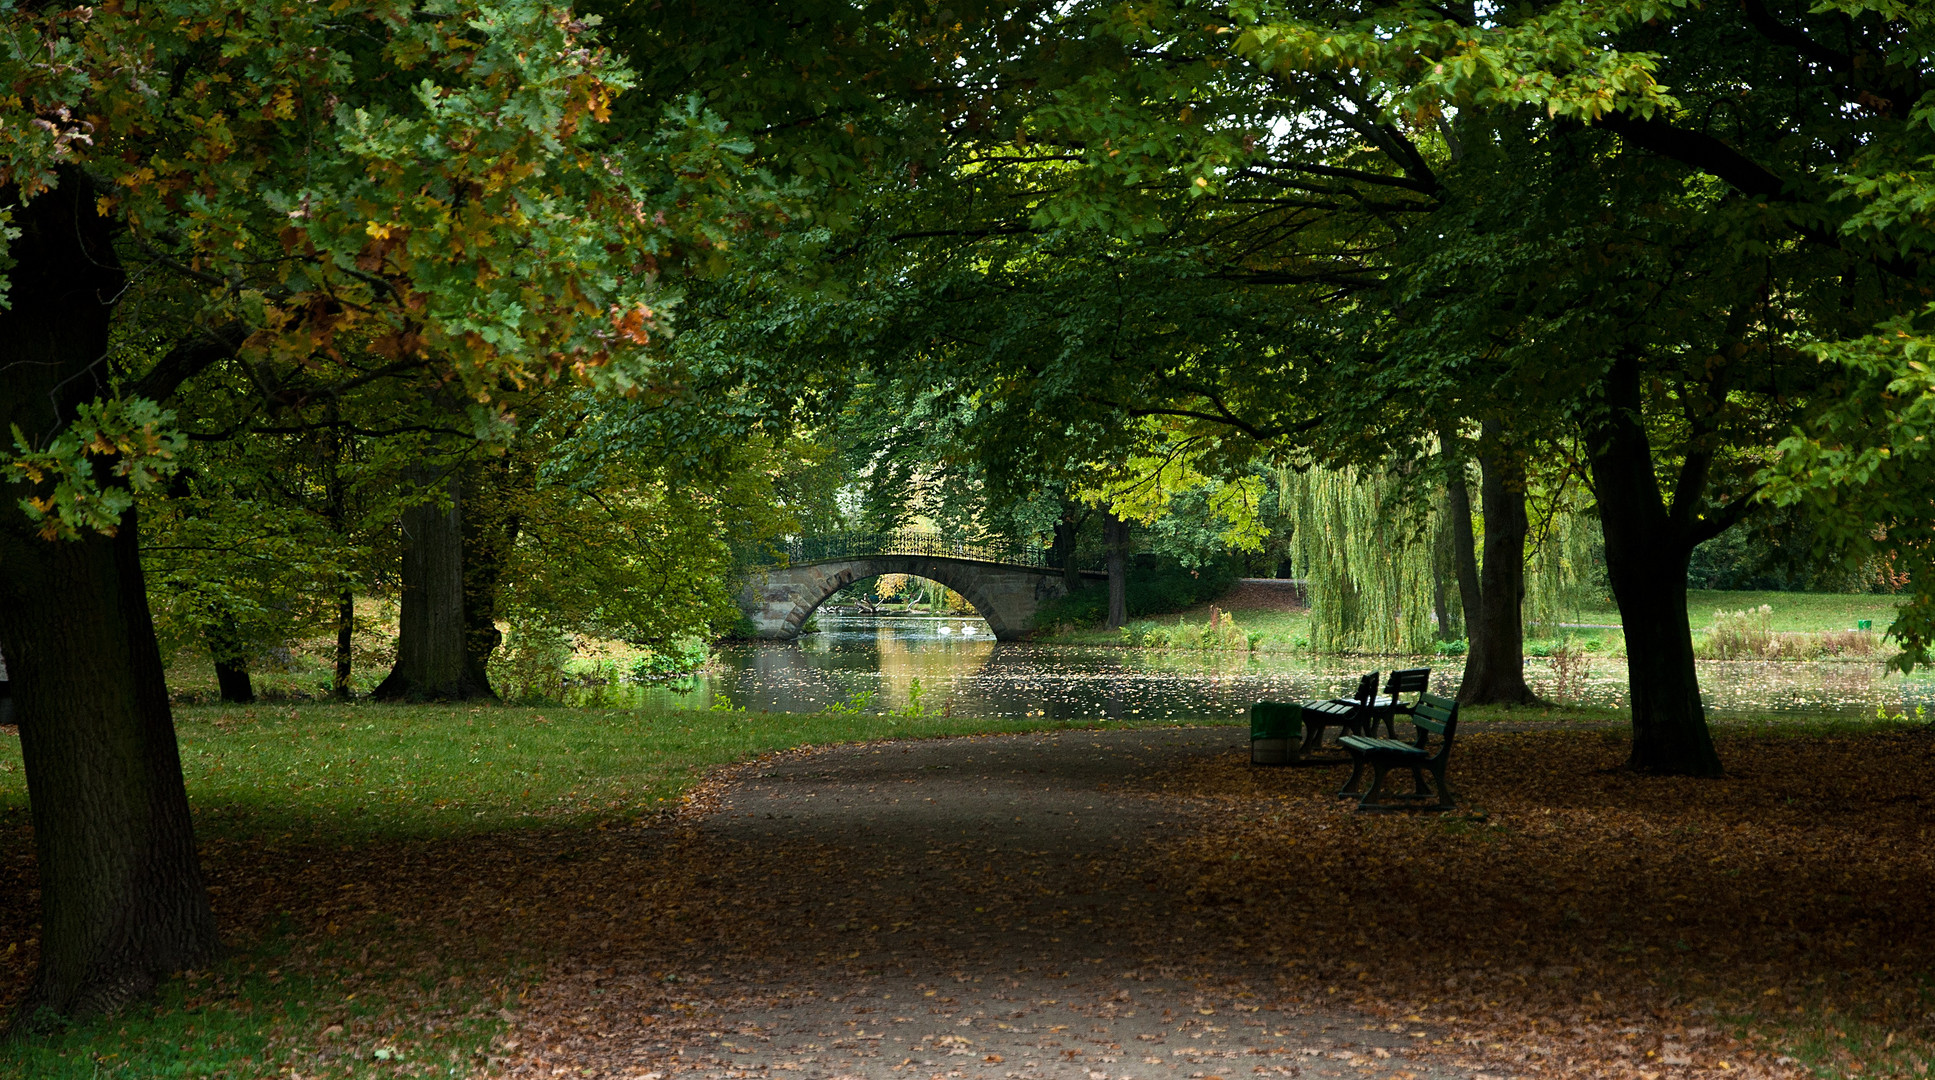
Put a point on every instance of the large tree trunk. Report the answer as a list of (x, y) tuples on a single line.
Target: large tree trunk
[(490, 533), (1647, 548), (1062, 553), (345, 643), (1492, 596), (337, 510), (1115, 532), (121, 892), (230, 654), (432, 660)]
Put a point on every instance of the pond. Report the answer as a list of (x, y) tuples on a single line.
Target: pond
[(958, 666)]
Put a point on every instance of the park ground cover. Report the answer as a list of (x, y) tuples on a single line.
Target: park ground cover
[(331, 833), (1572, 920), (1578, 920)]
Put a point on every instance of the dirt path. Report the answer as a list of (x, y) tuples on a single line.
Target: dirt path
[(964, 908)]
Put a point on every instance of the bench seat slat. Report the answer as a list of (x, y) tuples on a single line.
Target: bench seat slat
[(1386, 746)]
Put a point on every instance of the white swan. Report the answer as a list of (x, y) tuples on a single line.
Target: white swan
[(965, 629), (945, 630)]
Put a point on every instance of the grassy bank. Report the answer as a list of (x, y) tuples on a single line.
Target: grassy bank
[(1810, 625), (345, 846)]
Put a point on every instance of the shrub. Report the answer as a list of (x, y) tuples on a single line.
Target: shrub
[(1749, 635), (530, 668), (1220, 632), (675, 658), (1160, 589)]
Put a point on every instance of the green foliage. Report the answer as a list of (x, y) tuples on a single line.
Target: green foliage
[(1219, 633), (1565, 568), (678, 657), (1362, 541), (129, 439), (1157, 589), (531, 665)]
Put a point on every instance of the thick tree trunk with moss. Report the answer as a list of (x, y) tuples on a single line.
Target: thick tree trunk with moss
[(432, 657), (121, 892), (1115, 532), (1648, 545), (1494, 594)]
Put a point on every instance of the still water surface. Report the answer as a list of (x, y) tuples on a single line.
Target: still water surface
[(960, 667)]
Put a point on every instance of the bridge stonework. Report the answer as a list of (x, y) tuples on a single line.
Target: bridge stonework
[(779, 600)]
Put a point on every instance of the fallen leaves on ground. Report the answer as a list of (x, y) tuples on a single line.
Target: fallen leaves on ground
[(1574, 919), (1571, 920)]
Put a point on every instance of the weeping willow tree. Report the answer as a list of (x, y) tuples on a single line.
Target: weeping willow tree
[(1565, 546), (1363, 541)]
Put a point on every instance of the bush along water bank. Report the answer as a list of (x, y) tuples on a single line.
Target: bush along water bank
[(1219, 632), (1749, 635)]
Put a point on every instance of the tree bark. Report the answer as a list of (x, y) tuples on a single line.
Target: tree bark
[(231, 662), (490, 533), (1493, 595), (121, 892), (1647, 549), (337, 511), (1062, 553), (1444, 572), (230, 653), (345, 643), (1115, 532), (432, 661)]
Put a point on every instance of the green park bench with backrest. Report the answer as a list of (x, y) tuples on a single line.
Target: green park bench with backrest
[(1386, 706), (1284, 733), (1349, 714), (1434, 717)]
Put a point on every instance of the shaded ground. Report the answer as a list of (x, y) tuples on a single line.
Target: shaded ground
[(1112, 898), (961, 908)]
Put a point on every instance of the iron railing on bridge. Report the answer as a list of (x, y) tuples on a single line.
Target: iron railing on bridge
[(792, 550)]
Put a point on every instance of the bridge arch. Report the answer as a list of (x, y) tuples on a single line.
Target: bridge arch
[(779, 600)]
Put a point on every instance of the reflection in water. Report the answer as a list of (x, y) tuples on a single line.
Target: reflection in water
[(973, 675)]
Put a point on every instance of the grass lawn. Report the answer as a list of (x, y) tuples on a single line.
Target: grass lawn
[(1792, 611), (314, 819), (1284, 628)]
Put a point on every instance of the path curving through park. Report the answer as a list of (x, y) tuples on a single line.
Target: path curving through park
[(953, 909)]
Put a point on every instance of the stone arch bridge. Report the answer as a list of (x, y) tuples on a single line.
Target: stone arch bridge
[(1004, 584)]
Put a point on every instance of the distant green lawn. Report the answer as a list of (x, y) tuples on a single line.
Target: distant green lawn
[(331, 777), (1282, 631), (1807, 612), (1792, 611)]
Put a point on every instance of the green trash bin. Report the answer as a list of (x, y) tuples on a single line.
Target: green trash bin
[(1275, 727)]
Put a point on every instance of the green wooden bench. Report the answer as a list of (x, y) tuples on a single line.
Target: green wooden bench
[(1433, 716), (1282, 733), (1385, 707)]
